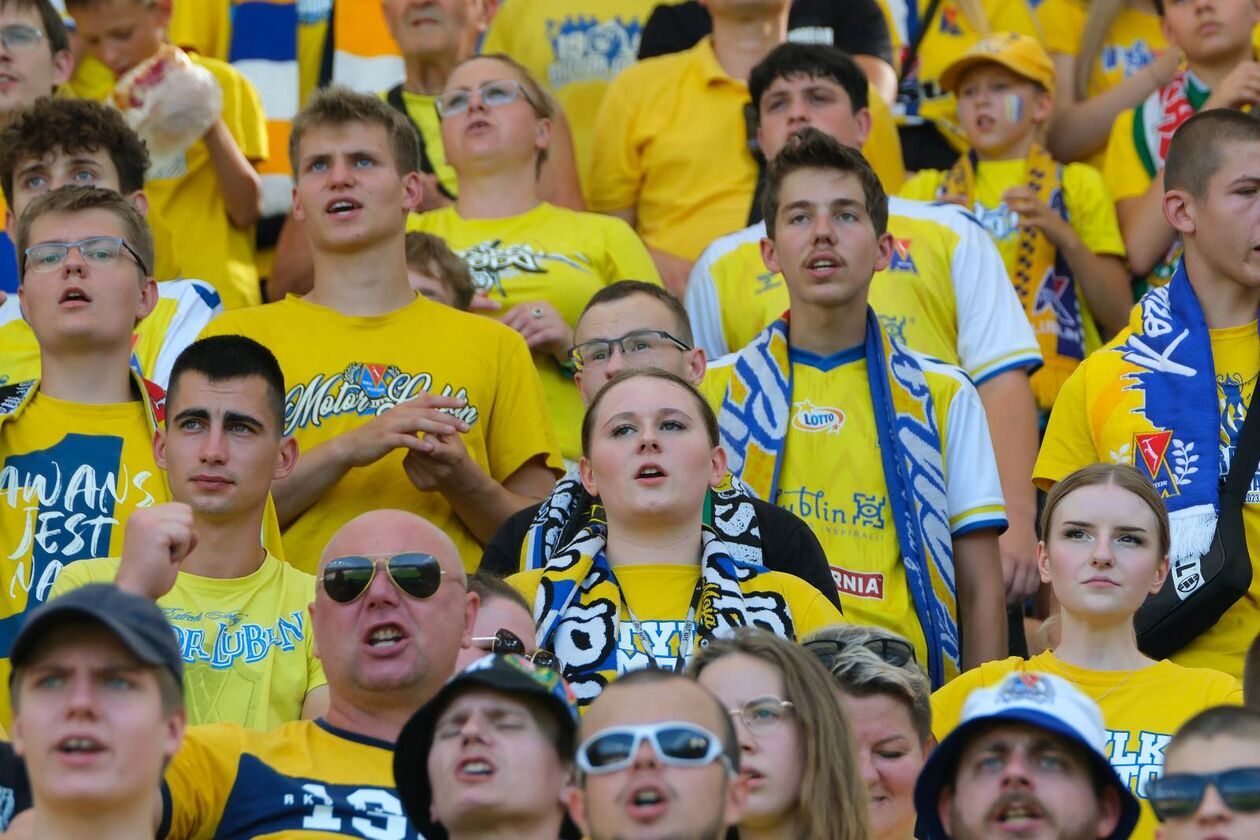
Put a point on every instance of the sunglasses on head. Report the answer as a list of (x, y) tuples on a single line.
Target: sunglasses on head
[(505, 641), (893, 651), (1180, 794), (677, 743), (415, 574)]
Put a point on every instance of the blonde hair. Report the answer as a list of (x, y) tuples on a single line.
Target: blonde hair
[(1102, 14)]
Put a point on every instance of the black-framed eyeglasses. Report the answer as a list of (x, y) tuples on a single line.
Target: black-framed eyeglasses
[(416, 574), (1180, 794), (493, 94), (99, 250), (504, 641), (634, 345), (763, 714), (893, 651), (19, 37)]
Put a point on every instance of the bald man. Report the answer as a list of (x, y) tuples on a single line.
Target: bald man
[(391, 612)]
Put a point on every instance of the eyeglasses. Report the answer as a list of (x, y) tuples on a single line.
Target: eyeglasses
[(505, 641), (100, 250), (636, 345), (418, 575), (1180, 794), (19, 37), (677, 743), (893, 651), (763, 714), (493, 94)]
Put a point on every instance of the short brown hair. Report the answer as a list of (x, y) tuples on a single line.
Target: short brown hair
[(338, 106), (1233, 722), (431, 256), (544, 106), (626, 288), (707, 417), (489, 585), (72, 125), (812, 149), (75, 199), (1120, 475), (1199, 147)]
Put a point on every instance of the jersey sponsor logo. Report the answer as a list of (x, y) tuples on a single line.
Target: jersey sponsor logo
[(817, 418), (901, 258), (859, 584), (1129, 59), (365, 390), (865, 514), (1137, 757), (586, 48), (491, 262), (235, 641)]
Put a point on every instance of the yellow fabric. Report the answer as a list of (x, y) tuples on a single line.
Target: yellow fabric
[(424, 346), (1090, 212), (882, 148), (204, 28), (227, 781), (91, 80), (311, 36), (1141, 709), (247, 644), (832, 476), (552, 254), (72, 474), (424, 116), (660, 597), (1095, 420), (574, 48)]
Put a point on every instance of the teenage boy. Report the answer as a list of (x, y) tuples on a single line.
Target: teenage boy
[(238, 611), (1170, 393), (1055, 225), (944, 293), (884, 451), (76, 443), (210, 194), (1220, 71), (98, 712), (491, 754), (389, 364), (60, 141)]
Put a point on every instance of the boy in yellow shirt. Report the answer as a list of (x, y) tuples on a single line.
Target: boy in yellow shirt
[(210, 195), (1053, 224)]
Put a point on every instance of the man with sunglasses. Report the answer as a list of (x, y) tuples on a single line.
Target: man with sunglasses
[(391, 612), (238, 611), (505, 623), (1211, 781), (657, 757), (76, 446)]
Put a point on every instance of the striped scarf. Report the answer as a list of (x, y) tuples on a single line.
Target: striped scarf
[(365, 57)]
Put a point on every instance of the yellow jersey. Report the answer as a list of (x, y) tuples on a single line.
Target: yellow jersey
[(1091, 423), (71, 475), (1138, 728), (305, 779), (552, 254), (361, 366), (831, 475), (248, 651), (945, 293), (660, 597)]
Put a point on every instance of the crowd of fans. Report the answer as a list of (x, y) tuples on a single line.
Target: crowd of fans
[(532, 504)]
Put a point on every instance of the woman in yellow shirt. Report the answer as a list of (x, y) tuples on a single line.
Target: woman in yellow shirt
[(1104, 549)]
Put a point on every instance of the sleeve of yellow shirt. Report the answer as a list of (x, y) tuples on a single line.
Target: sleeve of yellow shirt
[(810, 610), (883, 147), (200, 777), (519, 425), (628, 257), (617, 161), (83, 572), (1063, 22), (1069, 442), (1123, 172), (948, 700), (922, 185), (243, 115), (314, 666), (1091, 209)]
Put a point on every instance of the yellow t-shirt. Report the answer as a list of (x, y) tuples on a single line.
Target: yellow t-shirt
[(1094, 421), (552, 254), (831, 476), (1090, 212), (361, 366), (945, 294), (423, 113), (248, 650), (1141, 709), (71, 475), (660, 596), (305, 779), (574, 48)]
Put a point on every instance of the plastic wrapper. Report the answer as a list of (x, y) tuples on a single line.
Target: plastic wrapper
[(170, 102)]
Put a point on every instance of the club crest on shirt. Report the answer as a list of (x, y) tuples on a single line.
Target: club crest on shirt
[(901, 259), (817, 418), (365, 389), (491, 262)]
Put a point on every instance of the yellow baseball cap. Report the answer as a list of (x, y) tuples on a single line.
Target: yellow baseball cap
[(1018, 53)]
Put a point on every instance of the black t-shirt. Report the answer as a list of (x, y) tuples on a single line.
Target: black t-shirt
[(787, 545), (15, 788), (855, 26)]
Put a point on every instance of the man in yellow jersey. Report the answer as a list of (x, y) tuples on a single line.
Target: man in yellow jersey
[(945, 291), (209, 194), (391, 612), (239, 612), (62, 141), (370, 366), (885, 452), (1170, 393), (34, 59), (76, 443)]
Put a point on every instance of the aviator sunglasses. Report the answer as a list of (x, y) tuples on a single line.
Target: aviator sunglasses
[(416, 574)]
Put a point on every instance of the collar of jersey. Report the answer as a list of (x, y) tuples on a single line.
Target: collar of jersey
[(827, 363)]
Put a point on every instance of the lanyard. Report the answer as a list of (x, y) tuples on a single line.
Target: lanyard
[(688, 632)]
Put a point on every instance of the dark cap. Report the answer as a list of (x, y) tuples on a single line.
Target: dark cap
[(133, 619), (511, 675)]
